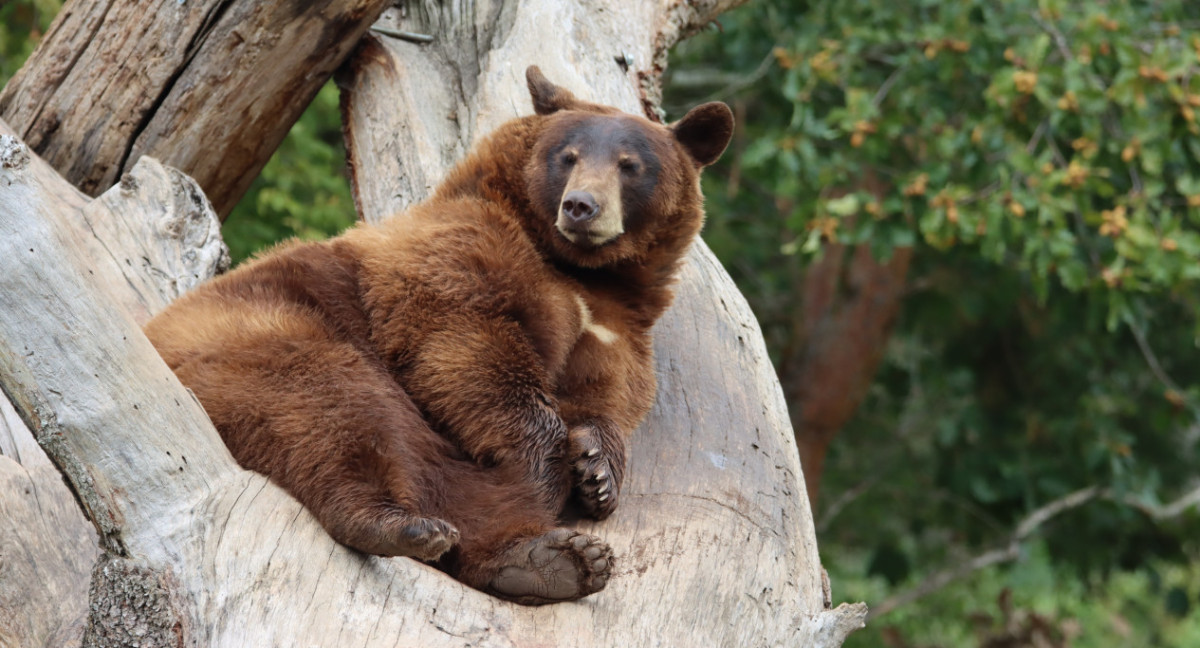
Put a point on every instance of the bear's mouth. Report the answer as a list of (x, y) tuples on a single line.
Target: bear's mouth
[(586, 237)]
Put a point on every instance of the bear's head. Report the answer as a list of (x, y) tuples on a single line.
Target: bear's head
[(608, 187)]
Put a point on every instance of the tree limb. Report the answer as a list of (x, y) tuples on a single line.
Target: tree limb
[(1010, 550), (113, 81)]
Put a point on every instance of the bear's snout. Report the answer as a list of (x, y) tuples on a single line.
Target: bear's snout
[(589, 213), (580, 206)]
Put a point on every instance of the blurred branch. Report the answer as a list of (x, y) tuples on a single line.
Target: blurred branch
[(1010, 550), (1156, 512), (844, 500), (887, 85), (942, 579), (733, 81), (1139, 335)]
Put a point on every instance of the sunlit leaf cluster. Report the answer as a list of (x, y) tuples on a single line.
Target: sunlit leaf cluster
[(1058, 137)]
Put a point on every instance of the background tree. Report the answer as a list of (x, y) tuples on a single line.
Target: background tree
[(1041, 383)]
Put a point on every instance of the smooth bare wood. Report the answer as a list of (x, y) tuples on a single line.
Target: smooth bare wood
[(471, 77), (63, 259), (47, 546), (47, 550), (151, 237), (74, 363), (714, 517), (210, 87)]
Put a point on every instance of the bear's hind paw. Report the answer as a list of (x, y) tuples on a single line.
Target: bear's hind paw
[(562, 565)]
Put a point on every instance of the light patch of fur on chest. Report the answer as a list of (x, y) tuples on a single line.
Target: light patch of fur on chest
[(602, 333)]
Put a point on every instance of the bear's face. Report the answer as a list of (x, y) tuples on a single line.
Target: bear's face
[(598, 175), (607, 186)]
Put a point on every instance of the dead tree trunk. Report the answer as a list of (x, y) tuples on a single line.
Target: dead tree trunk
[(210, 87), (714, 533)]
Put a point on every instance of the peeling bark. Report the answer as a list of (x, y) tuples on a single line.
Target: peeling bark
[(132, 605)]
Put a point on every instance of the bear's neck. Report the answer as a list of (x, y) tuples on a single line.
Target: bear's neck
[(494, 171)]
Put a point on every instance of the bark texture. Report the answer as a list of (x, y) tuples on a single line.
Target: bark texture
[(208, 86)]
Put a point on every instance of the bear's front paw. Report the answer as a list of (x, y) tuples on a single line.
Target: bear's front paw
[(595, 482)]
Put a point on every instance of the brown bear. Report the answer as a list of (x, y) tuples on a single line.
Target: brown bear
[(441, 385)]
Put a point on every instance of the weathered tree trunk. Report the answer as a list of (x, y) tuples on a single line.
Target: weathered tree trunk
[(714, 538), (208, 86), (720, 418)]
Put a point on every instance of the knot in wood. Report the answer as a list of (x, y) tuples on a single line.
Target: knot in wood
[(133, 605), (14, 154)]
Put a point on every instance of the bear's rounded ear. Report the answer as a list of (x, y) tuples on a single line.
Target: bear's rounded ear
[(705, 132), (547, 97)]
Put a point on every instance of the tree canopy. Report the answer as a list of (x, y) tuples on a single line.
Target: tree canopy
[(1041, 158)]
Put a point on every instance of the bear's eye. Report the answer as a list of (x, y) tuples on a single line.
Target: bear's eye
[(627, 165), (569, 158)]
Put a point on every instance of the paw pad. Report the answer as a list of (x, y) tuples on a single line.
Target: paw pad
[(562, 565)]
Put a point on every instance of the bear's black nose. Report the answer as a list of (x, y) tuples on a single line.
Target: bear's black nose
[(580, 206)]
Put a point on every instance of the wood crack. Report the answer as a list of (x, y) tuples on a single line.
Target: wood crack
[(76, 54), (195, 45)]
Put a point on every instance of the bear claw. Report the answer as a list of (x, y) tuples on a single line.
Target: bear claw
[(595, 487), (562, 565)]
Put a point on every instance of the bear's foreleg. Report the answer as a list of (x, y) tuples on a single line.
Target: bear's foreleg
[(596, 452), (482, 384), (605, 393)]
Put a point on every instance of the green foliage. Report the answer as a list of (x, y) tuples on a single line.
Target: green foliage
[(1042, 158), (1059, 138), (303, 191), (1130, 609), (21, 27)]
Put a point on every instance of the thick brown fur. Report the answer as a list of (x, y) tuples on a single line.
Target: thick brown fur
[(439, 386)]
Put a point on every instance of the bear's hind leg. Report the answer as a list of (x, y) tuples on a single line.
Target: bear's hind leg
[(363, 518), (333, 429), (559, 565), (511, 545)]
